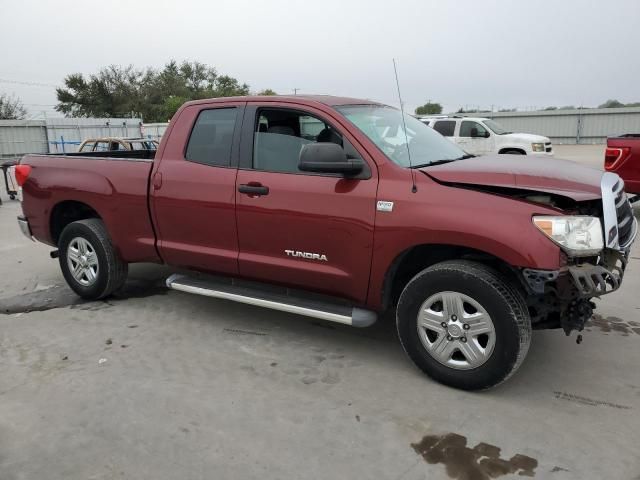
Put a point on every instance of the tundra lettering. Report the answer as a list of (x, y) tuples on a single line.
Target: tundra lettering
[(480, 253), (310, 256)]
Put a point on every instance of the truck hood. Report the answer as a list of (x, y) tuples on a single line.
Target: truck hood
[(550, 175), (526, 137)]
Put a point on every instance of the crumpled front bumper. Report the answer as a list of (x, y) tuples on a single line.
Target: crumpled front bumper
[(595, 280)]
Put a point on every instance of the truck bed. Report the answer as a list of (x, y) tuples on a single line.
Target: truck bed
[(114, 185)]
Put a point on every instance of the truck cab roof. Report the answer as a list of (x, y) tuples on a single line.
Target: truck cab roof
[(329, 100)]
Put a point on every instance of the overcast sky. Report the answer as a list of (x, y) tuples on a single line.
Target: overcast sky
[(476, 53)]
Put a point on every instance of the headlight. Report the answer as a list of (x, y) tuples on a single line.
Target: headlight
[(537, 147), (579, 236)]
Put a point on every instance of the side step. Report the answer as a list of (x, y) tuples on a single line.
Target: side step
[(285, 302)]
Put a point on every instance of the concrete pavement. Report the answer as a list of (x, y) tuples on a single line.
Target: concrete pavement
[(165, 385)]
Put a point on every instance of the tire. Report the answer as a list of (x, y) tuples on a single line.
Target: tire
[(104, 271), (483, 356)]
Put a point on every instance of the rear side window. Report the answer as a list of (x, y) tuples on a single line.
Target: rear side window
[(212, 136), (445, 127)]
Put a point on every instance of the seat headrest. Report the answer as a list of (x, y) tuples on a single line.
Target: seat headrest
[(281, 129), (327, 135)]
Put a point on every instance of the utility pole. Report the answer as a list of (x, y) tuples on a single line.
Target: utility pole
[(295, 91)]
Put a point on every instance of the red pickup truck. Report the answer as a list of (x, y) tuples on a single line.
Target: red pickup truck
[(622, 156), (341, 209)]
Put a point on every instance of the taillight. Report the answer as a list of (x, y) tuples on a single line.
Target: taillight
[(22, 173), (613, 154)]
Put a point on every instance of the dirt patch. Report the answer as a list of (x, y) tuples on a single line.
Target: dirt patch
[(61, 296), (482, 462), (613, 325)]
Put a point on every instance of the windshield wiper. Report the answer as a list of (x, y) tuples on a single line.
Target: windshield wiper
[(444, 160)]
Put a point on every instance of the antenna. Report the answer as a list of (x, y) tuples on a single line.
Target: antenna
[(414, 188)]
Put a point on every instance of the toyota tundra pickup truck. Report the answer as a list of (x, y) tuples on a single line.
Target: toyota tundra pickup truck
[(622, 156), (301, 204)]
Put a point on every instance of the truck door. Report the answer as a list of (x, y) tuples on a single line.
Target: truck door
[(475, 138), (193, 189), (310, 231)]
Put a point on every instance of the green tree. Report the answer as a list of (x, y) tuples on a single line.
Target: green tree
[(429, 108), (11, 108), (266, 92), (154, 95), (611, 103)]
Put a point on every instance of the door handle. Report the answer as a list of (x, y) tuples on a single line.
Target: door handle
[(157, 181), (253, 190)]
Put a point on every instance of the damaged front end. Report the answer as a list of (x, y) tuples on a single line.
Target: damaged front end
[(563, 298)]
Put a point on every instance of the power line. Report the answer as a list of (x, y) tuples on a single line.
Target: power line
[(32, 84)]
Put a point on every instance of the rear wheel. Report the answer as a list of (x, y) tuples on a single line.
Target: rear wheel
[(88, 260), (463, 325)]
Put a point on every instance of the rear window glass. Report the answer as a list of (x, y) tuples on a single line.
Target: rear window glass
[(445, 127), (212, 136)]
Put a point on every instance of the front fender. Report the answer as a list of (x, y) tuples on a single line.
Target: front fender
[(444, 215)]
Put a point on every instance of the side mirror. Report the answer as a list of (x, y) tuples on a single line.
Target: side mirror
[(327, 158)]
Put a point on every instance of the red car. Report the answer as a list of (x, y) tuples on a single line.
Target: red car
[(327, 207), (622, 156)]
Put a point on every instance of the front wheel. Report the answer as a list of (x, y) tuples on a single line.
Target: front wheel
[(89, 262), (463, 324)]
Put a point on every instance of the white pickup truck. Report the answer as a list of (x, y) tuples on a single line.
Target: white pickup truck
[(481, 136)]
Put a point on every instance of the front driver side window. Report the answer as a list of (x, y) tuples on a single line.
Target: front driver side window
[(280, 134), (472, 129), (87, 147)]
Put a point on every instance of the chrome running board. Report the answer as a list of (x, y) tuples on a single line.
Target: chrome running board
[(275, 300)]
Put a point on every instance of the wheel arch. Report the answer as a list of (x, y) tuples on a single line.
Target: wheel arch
[(520, 150), (66, 212), (414, 259)]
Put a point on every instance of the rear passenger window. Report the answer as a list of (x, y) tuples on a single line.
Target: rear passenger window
[(445, 127), (212, 136)]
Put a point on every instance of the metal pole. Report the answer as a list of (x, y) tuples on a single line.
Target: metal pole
[(578, 128)]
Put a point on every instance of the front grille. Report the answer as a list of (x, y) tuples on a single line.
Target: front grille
[(548, 149), (624, 213)]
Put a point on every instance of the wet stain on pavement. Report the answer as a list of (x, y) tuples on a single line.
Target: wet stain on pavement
[(613, 325), (61, 296), (482, 462)]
